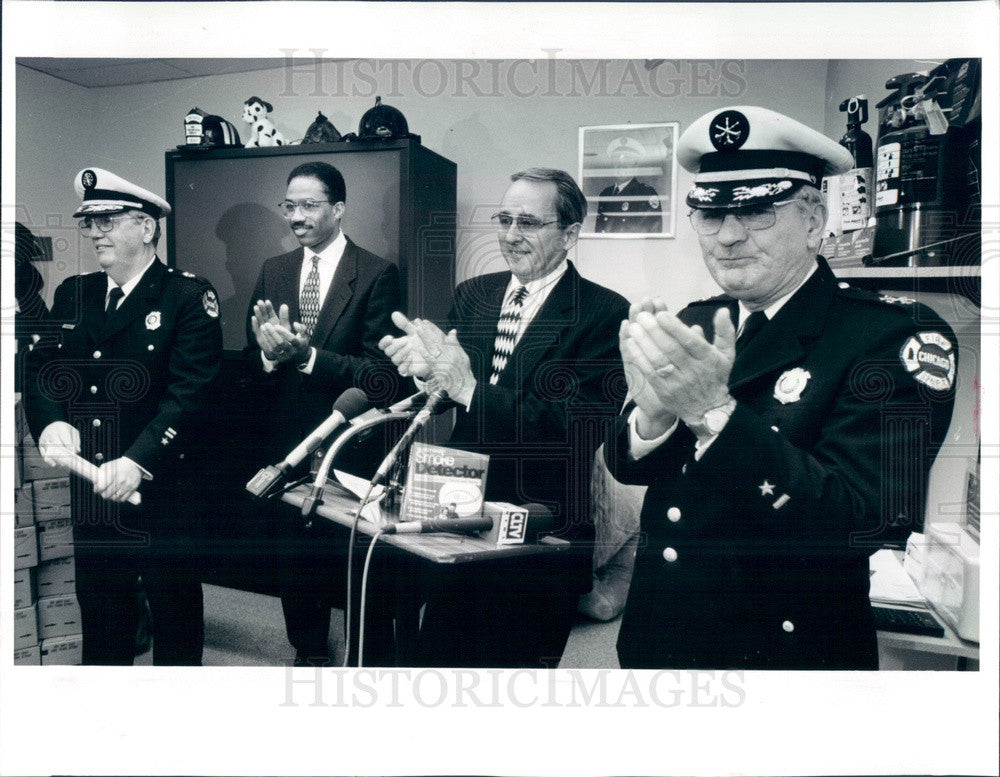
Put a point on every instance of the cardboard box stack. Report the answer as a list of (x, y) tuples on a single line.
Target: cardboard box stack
[(46, 611)]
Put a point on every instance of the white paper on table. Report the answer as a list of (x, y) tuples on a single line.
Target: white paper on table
[(359, 487), (890, 583)]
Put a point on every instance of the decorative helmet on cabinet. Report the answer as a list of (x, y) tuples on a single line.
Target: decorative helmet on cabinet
[(383, 122), (203, 130)]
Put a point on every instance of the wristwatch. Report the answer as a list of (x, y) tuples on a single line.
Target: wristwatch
[(714, 420)]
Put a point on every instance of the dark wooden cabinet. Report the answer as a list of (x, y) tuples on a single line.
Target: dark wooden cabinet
[(225, 223)]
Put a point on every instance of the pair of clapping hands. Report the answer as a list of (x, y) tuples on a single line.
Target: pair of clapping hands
[(427, 353), (279, 339), (672, 371)]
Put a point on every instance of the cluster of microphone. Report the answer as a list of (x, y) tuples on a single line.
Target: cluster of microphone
[(353, 407)]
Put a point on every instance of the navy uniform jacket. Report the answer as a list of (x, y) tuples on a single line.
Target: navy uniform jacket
[(356, 313), (558, 395), (640, 212), (756, 555), (133, 387)]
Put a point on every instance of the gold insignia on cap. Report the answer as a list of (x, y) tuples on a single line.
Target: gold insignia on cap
[(729, 130), (89, 179)]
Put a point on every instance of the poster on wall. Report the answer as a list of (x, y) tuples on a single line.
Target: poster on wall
[(628, 175)]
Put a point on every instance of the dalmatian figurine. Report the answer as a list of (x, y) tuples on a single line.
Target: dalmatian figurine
[(262, 129)]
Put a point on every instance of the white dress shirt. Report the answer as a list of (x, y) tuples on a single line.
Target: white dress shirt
[(538, 291), (329, 258), (129, 286)]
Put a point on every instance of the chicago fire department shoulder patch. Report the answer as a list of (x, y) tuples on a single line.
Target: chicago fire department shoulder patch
[(930, 358), (210, 303)]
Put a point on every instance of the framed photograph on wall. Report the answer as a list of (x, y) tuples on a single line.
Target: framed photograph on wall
[(629, 177)]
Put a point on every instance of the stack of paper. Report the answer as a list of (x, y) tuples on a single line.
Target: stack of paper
[(890, 584)]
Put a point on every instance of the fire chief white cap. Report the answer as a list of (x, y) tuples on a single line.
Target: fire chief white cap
[(747, 155), (105, 192)]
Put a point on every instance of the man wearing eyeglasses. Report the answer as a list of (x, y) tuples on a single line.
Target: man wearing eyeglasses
[(120, 379), (785, 429), (315, 319), (531, 363)]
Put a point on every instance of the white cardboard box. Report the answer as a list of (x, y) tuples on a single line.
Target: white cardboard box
[(951, 577), (29, 656), (24, 508), (55, 539), (65, 651), (25, 547), (24, 587), (33, 467), (52, 499), (58, 616), (56, 577), (25, 628)]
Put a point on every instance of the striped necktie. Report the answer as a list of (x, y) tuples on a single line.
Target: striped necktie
[(507, 328), (309, 300)]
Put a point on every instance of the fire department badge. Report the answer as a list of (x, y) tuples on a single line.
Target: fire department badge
[(153, 320), (930, 358), (654, 202), (211, 303), (791, 384)]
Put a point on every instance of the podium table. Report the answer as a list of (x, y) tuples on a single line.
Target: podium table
[(421, 561)]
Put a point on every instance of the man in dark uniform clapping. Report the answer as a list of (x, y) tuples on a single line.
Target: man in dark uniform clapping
[(785, 429)]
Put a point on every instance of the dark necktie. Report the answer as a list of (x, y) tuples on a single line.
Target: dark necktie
[(507, 327), (751, 327), (309, 301), (114, 296)]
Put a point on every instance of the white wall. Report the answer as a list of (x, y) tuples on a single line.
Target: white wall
[(491, 118), (55, 131)]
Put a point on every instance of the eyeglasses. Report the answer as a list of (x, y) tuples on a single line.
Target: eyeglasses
[(526, 225), (754, 217), (308, 207), (104, 223)]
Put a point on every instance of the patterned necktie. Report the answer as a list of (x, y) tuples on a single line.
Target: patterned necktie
[(754, 323), (114, 296), (507, 327), (309, 301)]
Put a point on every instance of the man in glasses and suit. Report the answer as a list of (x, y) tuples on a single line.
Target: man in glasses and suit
[(120, 377), (315, 319), (531, 363), (785, 429)]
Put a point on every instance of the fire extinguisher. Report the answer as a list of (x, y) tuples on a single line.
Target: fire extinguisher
[(927, 184)]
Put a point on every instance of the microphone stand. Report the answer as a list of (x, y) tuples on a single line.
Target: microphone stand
[(315, 497)]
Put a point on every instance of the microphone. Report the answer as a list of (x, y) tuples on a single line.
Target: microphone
[(459, 525), (419, 421), (351, 403), (514, 525), (403, 406), (506, 524)]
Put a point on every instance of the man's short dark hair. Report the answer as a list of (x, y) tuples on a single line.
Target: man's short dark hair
[(571, 205), (326, 174)]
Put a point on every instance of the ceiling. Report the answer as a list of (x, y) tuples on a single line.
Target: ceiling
[(123, 72)]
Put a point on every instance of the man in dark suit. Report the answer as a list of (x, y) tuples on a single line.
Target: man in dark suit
[(628, 205), (531, 364), (120, 377), (315, 319), (777, 460)]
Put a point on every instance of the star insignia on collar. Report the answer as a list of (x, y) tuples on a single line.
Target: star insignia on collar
[(766, 489)]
